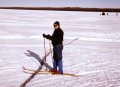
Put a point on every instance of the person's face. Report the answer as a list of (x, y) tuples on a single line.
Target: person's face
[(56, 26)]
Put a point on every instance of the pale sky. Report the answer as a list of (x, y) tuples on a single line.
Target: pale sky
[(62, 3)]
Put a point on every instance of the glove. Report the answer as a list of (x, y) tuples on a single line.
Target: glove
[(47, 36), (44, 35)]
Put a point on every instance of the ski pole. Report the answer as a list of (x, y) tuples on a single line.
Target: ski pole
[(51, 51), (45, 51)]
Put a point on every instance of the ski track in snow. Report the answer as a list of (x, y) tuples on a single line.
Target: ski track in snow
[(94, 56)]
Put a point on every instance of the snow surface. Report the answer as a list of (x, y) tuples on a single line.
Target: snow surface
[(95, 56)]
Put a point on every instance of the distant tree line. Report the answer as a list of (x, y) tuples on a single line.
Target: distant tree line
[(66, 9)]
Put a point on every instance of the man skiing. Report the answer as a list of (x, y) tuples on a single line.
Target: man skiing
[(57, 42)]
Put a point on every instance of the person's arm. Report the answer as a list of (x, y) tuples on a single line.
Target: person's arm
[(47, 36)]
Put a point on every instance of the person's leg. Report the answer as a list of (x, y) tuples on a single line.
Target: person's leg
[(54, 57), (59, 52), (58, 57), (55, 65), (60, 65)]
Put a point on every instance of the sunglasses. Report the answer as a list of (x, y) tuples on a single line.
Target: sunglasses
[(55, 25)]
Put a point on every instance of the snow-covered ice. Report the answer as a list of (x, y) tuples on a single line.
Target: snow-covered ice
[(95, 56)]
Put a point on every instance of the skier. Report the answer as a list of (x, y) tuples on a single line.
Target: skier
[(57, 42)]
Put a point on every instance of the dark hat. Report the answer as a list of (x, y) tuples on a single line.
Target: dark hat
[(57, 22)]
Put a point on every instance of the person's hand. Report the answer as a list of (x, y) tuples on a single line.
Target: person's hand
[(47, 36), (44, 35)]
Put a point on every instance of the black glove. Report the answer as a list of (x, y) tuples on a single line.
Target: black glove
[(44, 35), (47, 36)]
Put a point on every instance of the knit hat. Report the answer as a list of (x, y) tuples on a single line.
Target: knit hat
[(57, 22)]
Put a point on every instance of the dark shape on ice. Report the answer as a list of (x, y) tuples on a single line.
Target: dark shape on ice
[(103, 13)]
